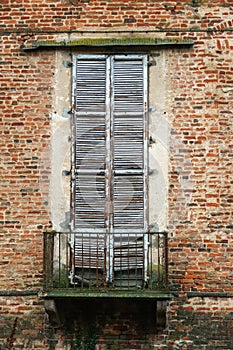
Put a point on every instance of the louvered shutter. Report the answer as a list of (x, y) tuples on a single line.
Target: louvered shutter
[(110, 164), (129, 169), (90, 166), (90, 147), (128, 143)]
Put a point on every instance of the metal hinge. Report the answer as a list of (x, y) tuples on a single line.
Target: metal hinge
[(67, 112), (67, 64), (151, 63)]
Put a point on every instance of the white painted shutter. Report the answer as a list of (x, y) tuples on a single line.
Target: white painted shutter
[(90, 167), (129, 169), (110, 164), (128, 143), (90, 162)]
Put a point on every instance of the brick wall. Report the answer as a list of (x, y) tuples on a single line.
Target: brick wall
[(199, 100), (202, 120)]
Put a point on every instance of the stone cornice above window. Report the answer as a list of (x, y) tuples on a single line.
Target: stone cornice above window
[(107, 42)]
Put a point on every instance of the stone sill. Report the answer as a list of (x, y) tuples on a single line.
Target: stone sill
[(107, 42)]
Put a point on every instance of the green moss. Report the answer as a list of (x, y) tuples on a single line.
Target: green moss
[(85, 339), (103, 42), (90, 339), (157, 277), (60, 277), (78, 341)]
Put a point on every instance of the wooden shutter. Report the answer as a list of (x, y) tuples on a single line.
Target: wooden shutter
[(129, 169), (110, 163), (90, 160), (90, 167), (128, 142)]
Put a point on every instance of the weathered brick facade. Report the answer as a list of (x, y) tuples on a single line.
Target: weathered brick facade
[(198, 100)]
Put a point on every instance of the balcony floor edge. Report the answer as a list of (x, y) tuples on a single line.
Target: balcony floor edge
[(61, 293)]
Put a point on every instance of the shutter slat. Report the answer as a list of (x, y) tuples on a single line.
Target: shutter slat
[(128, 86), (128, 262), (90, 201), (90, 142), (128, 143), (89, 251), (91, 85), (128, 201)]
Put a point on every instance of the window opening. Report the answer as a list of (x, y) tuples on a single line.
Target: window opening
[(109, 189)]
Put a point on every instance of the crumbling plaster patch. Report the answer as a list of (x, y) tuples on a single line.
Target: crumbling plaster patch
[(61, 146), (159, 137)]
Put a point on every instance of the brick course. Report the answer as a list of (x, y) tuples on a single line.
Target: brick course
[(199, 99)]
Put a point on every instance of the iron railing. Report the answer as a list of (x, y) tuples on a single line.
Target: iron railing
[(93, 261)]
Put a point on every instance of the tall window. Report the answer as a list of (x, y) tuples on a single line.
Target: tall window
[(109, 189)]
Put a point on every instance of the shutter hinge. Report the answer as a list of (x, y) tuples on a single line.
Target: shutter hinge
[(67, 64), (67, 112), (151, 63), (66, 172), (152, 109)]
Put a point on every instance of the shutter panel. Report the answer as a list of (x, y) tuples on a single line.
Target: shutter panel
[(90, 168), (90, 164), (128, 143), (129, 170)]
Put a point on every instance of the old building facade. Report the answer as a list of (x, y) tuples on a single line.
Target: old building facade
[(138, 255)]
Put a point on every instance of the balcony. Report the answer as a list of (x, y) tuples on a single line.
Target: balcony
[(97, 265)]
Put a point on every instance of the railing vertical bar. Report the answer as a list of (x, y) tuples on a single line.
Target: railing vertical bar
[(158, 247), (136, 258), (82, 270), (138, 273), (52, 255), (166, 258), (128, 261), (151, 261), (97, 261), (59, 259), (105, 259), (89, 256), (45, 262), (48, 259), (67, 260), (74, 259)]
